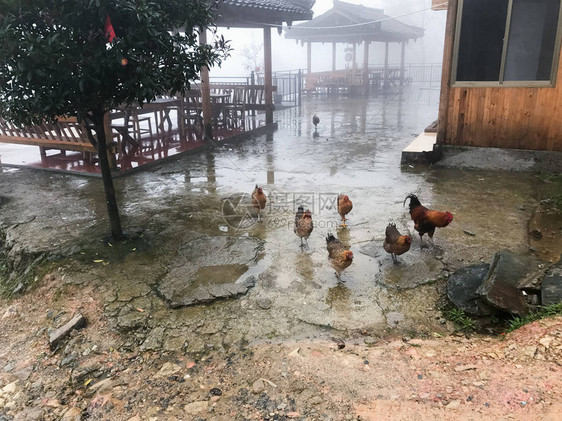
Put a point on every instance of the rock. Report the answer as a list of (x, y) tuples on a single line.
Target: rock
[(103, 385), (19, 289), (130, 318), (551, 288), (264, 303), (154, 340), (258, 386), (168, 369), (393, 318), (73, 414), (462, 288), (11, 311), (537, 234), (315, 400), (202, 277), (546, 341), (294, 352), (509, 274), (9, 389), (340, 343), (77, 322), (369, 340), (467, 232), (194, 408), (465, 367), (455, 404), (215, 391)]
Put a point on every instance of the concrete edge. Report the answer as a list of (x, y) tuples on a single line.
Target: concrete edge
[(471, 157)]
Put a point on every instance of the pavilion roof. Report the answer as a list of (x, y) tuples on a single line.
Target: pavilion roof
[(349, 23), (259, 13)]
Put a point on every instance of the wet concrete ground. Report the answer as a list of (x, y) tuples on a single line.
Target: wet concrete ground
[(185, 251)]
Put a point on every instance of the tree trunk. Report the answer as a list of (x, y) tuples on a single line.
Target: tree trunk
[(110, 200)]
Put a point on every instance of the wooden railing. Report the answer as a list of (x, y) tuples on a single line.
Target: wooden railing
[(66, 134), (69, 134)]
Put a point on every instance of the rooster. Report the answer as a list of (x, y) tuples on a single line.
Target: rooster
[(426, 220), (396, 243), (303, 224), (315, 121), (339, 255), (259, 200), (344, 207)]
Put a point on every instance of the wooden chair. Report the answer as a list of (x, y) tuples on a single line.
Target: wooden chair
[(140, 125), (236, 110)]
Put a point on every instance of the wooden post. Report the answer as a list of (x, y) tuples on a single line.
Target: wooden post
[(268, 75), (308, 57), (333, 56), (385, 76), (354, 56), (402, 57), (206, 93), (450, 29), (365, 67)]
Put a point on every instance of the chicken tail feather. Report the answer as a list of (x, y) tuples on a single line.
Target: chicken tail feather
[(414, 201)]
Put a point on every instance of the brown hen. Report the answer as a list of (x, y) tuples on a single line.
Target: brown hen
[(303, 224), (396, 243), (340, 256), (344, 207), (259, 200)]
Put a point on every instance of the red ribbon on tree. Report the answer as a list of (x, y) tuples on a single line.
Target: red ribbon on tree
[(109, 31)]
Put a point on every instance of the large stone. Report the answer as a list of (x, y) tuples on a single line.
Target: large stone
[(462, 286), (508, 276), (195, 408), (551, 292), (211, 268)]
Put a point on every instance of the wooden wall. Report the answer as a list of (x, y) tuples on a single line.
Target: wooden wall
[(520, 118)]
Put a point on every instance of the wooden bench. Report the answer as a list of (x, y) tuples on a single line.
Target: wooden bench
[(66, 135)]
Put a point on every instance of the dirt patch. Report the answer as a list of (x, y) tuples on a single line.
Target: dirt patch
[(98, 374)]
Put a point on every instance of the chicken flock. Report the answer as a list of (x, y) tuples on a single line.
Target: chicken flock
[(340, 256)]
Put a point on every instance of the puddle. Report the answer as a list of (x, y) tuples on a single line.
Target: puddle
[(212, 275), (205, 244)]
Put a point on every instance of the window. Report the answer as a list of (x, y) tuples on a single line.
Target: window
[(507, 42)]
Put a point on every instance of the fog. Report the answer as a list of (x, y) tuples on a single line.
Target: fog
[(290, 55)]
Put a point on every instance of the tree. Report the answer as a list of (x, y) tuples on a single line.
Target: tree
[(252, 56), (85, 57)]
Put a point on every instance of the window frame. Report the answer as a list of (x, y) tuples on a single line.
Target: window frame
[(501, 83)]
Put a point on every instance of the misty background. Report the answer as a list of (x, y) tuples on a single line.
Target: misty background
[(288, 54)]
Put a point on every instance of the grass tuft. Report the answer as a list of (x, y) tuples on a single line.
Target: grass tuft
[(461, 319), (541, 313)]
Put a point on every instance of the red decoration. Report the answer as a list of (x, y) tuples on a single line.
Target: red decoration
[(109, 31), (124, 62)]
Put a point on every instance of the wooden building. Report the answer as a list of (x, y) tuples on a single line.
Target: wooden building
[(502, 73), (354, 25)]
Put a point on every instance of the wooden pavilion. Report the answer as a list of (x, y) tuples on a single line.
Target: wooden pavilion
[(354, 24), (261, 14)]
